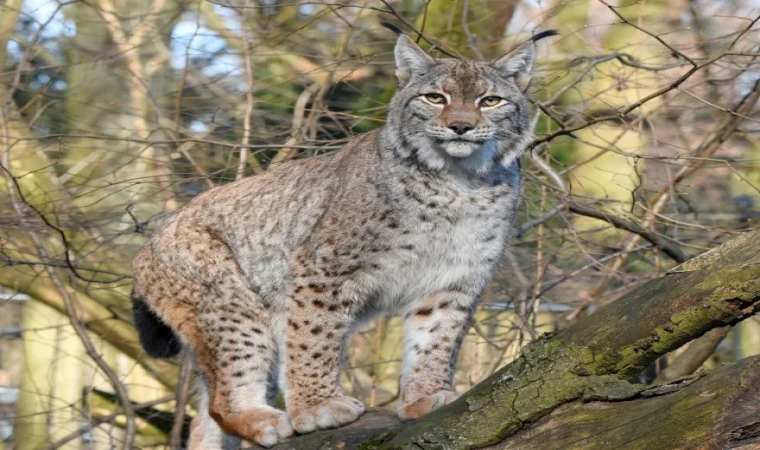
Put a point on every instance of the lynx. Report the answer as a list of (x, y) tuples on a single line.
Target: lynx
[(264, 279)]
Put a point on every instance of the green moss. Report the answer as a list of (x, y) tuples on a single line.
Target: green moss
[(547, 374), (731, 290), (374, 442)]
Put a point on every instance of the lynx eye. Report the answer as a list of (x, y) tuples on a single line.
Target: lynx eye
[(436, 99), (491, 101)]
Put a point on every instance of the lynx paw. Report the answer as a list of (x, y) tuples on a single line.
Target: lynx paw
[(271, 430), (266, 426), (330, 413), (424, 405)]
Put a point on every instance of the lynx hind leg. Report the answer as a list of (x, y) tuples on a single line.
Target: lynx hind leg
[(243, 354), (235, 325), (206, 299), (205, 433)]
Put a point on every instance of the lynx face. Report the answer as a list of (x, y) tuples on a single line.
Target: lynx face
[(461, 112)]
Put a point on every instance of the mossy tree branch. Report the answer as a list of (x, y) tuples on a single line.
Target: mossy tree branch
[(591, 361), (717, 411)]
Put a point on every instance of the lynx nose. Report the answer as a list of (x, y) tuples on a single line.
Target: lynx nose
[(460, 128)]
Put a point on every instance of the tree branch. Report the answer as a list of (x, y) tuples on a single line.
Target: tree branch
[(589, 361), (670, 249)]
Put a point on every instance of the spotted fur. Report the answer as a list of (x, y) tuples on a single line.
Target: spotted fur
[(269, 275)]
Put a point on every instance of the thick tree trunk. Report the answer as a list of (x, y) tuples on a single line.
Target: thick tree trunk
[(592, 362)]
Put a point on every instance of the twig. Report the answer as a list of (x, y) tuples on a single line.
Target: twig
[(627, 110), (182, 393), (467, 32), (720, 134), (424, 19), (648, 33), (674, 252), (419, 32), (121, 390), (101, 420), (249, 100), (64, 240)]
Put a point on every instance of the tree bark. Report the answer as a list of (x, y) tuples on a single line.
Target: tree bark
[(593, 361), (721, 410), (694, 355)]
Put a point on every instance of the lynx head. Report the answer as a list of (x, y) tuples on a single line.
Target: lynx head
[(451, 113)]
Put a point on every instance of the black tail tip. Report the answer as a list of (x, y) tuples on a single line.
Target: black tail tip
[(156, 337)]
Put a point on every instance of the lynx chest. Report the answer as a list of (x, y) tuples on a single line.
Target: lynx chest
[(445, 242)]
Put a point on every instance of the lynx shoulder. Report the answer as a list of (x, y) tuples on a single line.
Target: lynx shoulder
[(264, 279)]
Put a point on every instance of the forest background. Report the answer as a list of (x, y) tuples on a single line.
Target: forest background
[(113, 113)]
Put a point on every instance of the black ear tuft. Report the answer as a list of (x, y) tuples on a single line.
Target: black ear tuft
[(392, 27), (518, 63), (544, 34)]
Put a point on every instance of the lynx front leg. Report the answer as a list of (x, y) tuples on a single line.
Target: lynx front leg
[(317, 332), (433, 333)]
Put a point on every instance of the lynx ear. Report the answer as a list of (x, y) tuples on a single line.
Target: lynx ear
[(518, 64), (411, 60)]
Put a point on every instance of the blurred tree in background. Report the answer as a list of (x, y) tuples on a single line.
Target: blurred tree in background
[(113, 113)]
